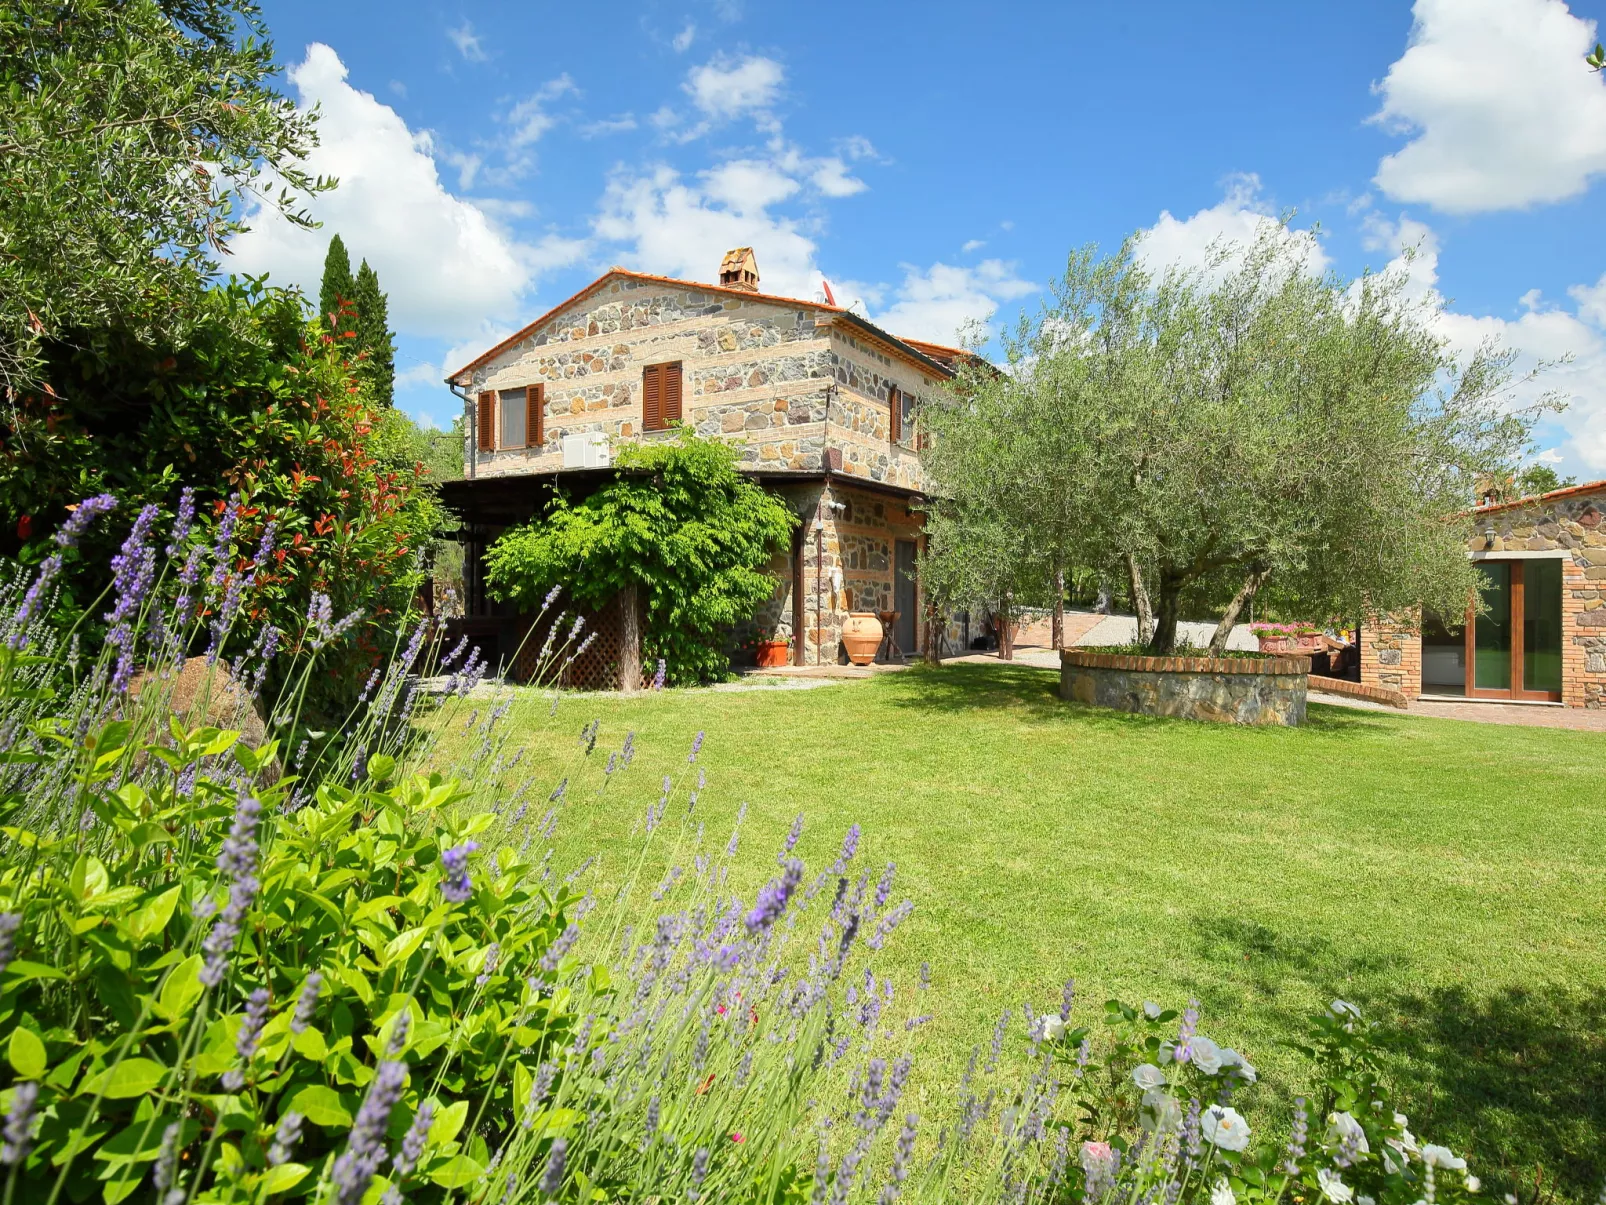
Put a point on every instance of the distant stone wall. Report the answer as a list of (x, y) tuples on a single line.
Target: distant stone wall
[(1228, 690), (1391, 654)]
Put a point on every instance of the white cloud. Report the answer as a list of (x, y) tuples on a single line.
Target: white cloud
[(748, 186), (726, 89), (938, 302), (448, 267), (675, 228), (1237, 218), (608, 125), (974, 244), (1502, 111), (467, 42), (684, 39), (528, 119), (831, 177)]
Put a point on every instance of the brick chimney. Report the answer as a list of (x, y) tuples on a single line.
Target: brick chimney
[(739, 270)]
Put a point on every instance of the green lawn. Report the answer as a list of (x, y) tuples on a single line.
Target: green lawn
[(1451, 877)]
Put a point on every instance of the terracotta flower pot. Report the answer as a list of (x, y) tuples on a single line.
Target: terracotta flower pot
[(861, 636), (771, 653)]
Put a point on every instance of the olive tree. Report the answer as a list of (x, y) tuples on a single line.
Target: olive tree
[(1198, 434)]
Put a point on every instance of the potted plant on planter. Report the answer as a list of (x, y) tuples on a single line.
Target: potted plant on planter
[(772, 652), (1287, 637)]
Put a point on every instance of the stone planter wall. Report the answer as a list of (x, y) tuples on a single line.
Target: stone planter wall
[(1223, 690)]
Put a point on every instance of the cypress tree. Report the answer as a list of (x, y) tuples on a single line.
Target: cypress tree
[(337, 284), (374, 336)]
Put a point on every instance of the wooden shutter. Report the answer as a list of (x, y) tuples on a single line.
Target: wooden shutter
[(896, 403), (534, 413), (487, 417), (652, 397), (671, 393)]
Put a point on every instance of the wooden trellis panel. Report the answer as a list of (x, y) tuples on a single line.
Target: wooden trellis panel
[(595, 669)]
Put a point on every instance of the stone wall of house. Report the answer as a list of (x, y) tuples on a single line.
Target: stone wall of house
[(1272, 691), (776, 380), (1574, 525)]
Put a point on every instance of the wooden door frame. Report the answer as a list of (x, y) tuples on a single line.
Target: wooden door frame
[(1519, 614)]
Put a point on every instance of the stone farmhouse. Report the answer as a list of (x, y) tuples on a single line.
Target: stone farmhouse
[(819, 402), (1542, 638)]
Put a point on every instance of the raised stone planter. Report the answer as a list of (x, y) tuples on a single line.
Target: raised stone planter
[(1222, 690)]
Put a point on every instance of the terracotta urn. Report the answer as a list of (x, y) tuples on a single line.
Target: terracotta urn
[(861, 636)]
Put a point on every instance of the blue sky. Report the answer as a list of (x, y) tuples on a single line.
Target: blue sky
[(938, 161)]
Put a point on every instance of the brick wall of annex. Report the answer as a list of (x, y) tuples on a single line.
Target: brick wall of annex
[(1391, 650), (756, 373)]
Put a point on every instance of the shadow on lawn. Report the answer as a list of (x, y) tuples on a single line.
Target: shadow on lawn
[(1034, 690), (1512, 1077)]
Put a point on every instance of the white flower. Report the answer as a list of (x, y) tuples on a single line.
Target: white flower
[(1148, 1076), (1053, 1029), (1242, 1067), (1225, 1127), (1364, 1200), (1152, 1010), (1204, 1054), (1473, 1183), (1343, 1010), (1332, 1187), (1222, 1193), (1392, 1167), (1442, 1156), (1161, 1112), (1341, 1127)]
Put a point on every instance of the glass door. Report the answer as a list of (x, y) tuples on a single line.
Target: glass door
[(1513, 649), (1491, 633)]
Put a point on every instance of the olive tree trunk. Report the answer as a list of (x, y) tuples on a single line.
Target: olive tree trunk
[(629, 640), (1229, 618), (1140, 600)]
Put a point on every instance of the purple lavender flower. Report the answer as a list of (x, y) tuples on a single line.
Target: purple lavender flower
[(19, 1123), (67, 536), (884, 887), (270, 531), (792, 837), (552, 1178), (658, 675), (1296, 1137), (166, 1169), (850, 846), (651, 1123), (9, 923), (457, 651), (492, 953), (245, 1042), (1189, 1025), (696, 746), (544, 1074), (373, 680), (902, 1155), (551, 597), (187, 579), (412, 1143), (182, 521), (456, 886), (559, 948), (999, 1030), (773, 898), (223, 547), (237, 861), (285, 1139), (365, 1148), (86, 512), (134, 572), (1067, 1000), (306, 1003), (699, 1172)]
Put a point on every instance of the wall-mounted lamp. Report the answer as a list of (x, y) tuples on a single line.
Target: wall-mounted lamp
[(1488, 536)]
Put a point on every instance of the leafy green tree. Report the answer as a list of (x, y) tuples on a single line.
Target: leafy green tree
[(337, 291), (130, 136), (375, 341), (1199, 434), (1540, 479), (681, 527)]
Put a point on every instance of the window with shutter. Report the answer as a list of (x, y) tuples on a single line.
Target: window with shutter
[(486, 413), (895, 405), (671, 393), (535, 415), (510, 416), (652, 397)]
